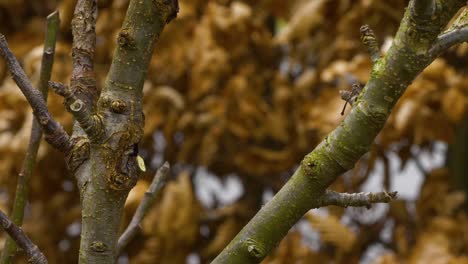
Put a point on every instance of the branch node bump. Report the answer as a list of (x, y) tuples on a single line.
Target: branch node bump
[(370, 41), (350, 96)]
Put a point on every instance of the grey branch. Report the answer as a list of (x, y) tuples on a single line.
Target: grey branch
[(449, 39), (365, 199), (54, 133), (146, 203), (34, 253), (88, 120)]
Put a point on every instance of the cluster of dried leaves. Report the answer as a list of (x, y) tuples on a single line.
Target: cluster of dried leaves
[(245, 87)]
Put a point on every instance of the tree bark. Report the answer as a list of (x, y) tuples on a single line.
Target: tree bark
[(109, 172)]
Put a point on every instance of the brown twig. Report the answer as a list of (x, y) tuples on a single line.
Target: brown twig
[(363, 199), (146, 203), (54, 133), (22, 189), (17, 234)]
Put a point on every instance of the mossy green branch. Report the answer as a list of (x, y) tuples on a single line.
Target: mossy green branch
[(343, 147)]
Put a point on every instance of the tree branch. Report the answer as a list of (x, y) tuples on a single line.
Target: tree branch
[(83, 113), (22, 188), (343, 147), (17, 234), (457, 34), (363, 199), (143, 208), (54, 133), (112, 169), (449, 39), (83, 80)]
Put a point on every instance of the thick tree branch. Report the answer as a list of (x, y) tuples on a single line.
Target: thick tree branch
[(111, 171), (17, 234), (143, 208), (22, 188), (363, 199), (83, 80), (343, 147), (54, 133)]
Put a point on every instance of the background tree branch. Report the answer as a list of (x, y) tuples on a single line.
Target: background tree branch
[(22, 187), (143, 208), (54, 133), (17, 234)]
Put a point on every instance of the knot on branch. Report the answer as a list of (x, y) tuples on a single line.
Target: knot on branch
[(121, 162), (255, 249), (78, 154), (126, 39), (350, 96), (98, 246)]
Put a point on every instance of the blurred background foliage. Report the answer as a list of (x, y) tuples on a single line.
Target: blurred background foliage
[(237, 93)]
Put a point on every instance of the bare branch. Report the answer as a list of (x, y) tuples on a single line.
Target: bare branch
[(88, 120), (449, 39), (365, 199), (369, 40), (54, 133), (146, 203), (22, 188), (17, 234), (83, 81), (456, 34)]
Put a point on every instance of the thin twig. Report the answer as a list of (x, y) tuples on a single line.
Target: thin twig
[(146, 203), (22, 188), (365, 199), (54, 133), (17, 234)]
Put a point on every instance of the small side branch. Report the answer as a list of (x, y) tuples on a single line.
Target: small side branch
[(88, 120), (17, 234), (54, 133), (363, 199), (449, 39), (22, 188), (146, 203), (369, 40)]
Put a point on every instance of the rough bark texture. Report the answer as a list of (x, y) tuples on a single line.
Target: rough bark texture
[(111, 170), (340, 150)]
